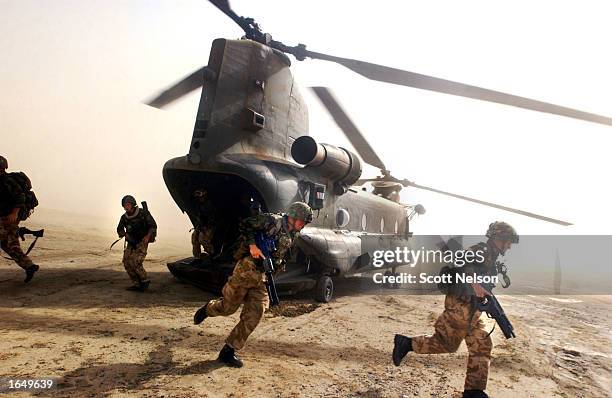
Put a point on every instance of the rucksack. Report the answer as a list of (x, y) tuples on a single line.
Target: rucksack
[(30, 197)]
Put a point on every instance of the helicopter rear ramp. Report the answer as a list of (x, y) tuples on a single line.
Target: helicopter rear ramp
[(210, 276)]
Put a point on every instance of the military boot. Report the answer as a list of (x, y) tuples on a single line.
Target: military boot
[(200, 315), (144, 285), (30, 271), (402, 345), (475, 394), (228, 357)]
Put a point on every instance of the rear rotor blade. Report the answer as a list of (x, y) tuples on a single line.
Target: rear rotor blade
[(176, 91), (404, 78), (482, 202), (347, 126)]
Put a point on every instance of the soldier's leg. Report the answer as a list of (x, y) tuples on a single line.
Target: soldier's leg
[(234, 291), (128, 264), (195, 244), (140, 253), (450, 329), (206, 236), (479, 346), (255, 304), (9, 241)]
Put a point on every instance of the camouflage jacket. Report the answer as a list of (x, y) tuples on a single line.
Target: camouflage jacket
[(273, 225), (485, 267), (137, 226), (11, 195)]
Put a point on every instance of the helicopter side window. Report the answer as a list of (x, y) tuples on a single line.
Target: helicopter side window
[(342, 218), (382, 225), (364, 222)]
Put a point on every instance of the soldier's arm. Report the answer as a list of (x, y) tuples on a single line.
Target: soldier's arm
[(251, 225), (476, 266), (151, 224), (17, 198), (121, 228)]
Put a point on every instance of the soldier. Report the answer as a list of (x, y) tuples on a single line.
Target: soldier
[(246, 285), (461, 319), (16, 204), (139, 229), (204, 226)]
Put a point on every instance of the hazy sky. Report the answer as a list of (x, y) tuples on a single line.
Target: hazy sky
[(74, 74)]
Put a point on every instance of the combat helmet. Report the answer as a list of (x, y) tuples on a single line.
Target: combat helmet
[(200, 193), (502, 230), (128, 199), (301, 211), (3, 163)]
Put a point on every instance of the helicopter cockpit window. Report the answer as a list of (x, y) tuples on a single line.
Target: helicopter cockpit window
[(342, 218)]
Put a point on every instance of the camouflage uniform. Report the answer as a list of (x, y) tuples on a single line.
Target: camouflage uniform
[(247, 283), (204, 228), (135, 228), (11, 197), (461, 320)]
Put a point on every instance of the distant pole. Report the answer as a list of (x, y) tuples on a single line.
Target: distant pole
[(557, 276)]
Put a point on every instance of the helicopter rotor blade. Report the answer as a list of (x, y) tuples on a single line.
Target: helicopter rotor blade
[(179, 89), (405, 78), (361, 145), (482, 202)]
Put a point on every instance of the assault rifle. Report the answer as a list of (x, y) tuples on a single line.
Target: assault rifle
[(494, 310), (267, 246), (23, 231)]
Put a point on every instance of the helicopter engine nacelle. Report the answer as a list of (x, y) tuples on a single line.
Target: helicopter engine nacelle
[(338, 164)]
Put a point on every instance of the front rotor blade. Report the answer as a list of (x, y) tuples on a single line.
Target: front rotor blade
[(183, 87), (347, 126), (482, 202), (404, 78), (225, 8)]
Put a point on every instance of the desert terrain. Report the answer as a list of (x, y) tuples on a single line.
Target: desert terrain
[(76, 323)]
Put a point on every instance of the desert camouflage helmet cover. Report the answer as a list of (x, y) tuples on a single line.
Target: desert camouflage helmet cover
[(128, 199), (301, 211), (502, 230), (3, 163)]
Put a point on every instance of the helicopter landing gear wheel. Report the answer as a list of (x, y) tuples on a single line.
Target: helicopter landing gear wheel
[(324, 291)]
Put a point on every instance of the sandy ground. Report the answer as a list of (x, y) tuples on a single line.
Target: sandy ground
[(75, 322)]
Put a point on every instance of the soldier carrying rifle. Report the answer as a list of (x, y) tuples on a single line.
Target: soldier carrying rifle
[(17, 202), (139, 229), (461, 317), (247, 285)]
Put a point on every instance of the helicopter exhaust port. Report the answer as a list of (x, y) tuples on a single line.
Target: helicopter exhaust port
[(338, 164)]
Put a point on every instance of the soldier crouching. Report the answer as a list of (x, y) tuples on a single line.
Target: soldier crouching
[(247, 284), (139, 229), (461, 318)]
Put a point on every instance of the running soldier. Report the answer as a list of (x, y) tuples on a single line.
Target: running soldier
[(17, 202), (139, 229), (247, 284), (461, 318)]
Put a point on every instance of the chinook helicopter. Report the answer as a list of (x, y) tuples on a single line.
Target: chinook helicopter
[(251, 139)]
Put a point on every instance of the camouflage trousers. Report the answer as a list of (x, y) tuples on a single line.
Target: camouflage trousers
[(246, 286), (458, 322), (9, 241), (202, 238), (133, 257)]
